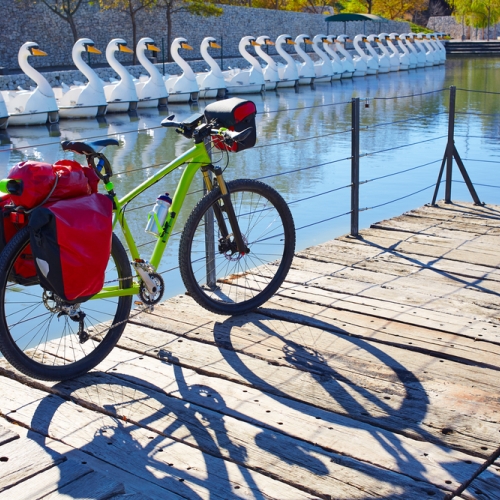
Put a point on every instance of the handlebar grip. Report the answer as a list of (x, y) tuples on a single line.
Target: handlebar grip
[(12, 186), (241, 136)]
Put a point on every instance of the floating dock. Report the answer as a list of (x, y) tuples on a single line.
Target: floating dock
[(373, 373)]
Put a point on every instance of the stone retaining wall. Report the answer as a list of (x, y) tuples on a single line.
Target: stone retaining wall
[(24, 21)]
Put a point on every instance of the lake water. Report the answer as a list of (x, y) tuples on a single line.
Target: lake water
[(304, 146)]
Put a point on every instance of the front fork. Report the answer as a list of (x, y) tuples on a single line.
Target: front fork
[(227, 207)]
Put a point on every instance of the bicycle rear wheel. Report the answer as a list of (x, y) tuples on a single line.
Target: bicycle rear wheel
[(38, 338), (218, 277)]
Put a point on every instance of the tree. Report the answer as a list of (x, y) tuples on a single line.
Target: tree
[(65, 9), (205, 8), (132, 7), (478, 13), (396, 9)]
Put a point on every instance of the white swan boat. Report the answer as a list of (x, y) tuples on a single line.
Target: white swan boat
[(404, 56), (405, 44), (419, 50), (183, 87), (211, 84), (337, 66), (346, 60), (289, 76), (31, 107), (384, 60), (270, 70), (305, 68), (361, 59), (151, 91), (249, 80), (82, 101), (438, 54), (388, 50), (374, 58), (425, 48), (120, 95), (323, 66)]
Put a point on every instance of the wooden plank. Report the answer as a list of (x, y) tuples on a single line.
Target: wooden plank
[(50, 481), (385, 272), (93, 486), (472, 327), (487, 215), (411, 415), (359, 256), (132, 483), (246, 444), (453, 299), (6, 435), (470, 255), (437, 344), (427, 225), (440, 466), (177, 467), (22, 459), (486, 486)]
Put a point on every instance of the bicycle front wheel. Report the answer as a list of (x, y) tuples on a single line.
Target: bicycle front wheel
[(218, 277), (38, 338)]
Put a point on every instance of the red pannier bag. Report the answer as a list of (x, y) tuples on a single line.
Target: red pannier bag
[(12, 221), (71, 244), (39, 182), (234, 114)]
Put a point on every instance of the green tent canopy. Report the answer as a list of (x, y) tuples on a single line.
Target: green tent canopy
[(355, 17), (344, 18)]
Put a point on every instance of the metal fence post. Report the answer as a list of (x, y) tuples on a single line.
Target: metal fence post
[(451, 144), (209, 232), (355, 168)]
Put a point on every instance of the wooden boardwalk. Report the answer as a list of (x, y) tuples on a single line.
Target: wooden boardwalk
[(374, 373)]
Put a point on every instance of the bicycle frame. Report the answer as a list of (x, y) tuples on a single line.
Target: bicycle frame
[(195, 158)]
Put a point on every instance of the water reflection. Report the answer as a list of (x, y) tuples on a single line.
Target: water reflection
[(304, 146)]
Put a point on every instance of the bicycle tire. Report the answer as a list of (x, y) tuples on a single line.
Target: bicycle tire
[(242, 282), (43, 344)]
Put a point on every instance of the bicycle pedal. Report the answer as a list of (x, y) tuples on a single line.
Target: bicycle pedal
[(145, 308)]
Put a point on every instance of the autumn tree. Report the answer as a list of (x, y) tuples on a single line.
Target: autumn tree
[(396, 9), (204, 8), (132, 7), (65, 9)]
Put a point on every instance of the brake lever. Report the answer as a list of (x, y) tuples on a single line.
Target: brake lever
[(169, 122)]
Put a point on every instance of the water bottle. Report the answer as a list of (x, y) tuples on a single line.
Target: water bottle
[(157, 216)]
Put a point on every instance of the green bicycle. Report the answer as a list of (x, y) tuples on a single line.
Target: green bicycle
[(235, 251)]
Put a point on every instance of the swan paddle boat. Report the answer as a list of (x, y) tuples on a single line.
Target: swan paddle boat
[(404, 56), (346, 60), (151, 91), (82, 101), (248, 80), (305, 68), (120, 94), (392, 56), (337, 65), (373, 58), (361, 59), (183, 87), (211, 84), (425, 48), (323, 66), (419, 50), (36, 106), (289, 76), (270, 70), (406, 45), (384, 60)]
